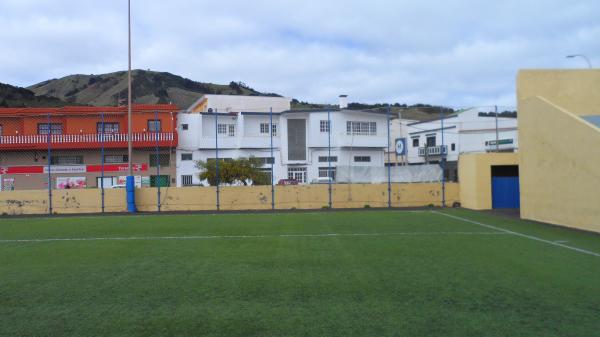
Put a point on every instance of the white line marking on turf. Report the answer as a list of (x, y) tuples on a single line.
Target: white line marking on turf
[(531, 237), (38, 217), (208, 237)]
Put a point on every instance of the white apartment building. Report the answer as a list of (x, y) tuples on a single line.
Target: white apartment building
[(300, 137), (472, 130)]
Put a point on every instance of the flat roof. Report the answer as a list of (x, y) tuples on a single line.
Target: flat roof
[(594, 119)]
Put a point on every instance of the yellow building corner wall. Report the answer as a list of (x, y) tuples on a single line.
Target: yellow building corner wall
[(231, 198), (575, 90), (559, 165), (475, 177)]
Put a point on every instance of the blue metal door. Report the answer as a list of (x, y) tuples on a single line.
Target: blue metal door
[(505, 192)]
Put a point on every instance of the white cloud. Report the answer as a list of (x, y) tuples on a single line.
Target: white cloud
[(458, 53)]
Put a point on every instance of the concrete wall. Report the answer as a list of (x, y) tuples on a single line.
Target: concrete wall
[(572, 90), (231, 198), (560, 166), (475, 176), (559, 153)]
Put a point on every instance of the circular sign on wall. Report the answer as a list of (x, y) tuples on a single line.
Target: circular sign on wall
[(400, 146)]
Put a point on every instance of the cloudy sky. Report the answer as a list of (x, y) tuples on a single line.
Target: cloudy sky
[(456, 52)]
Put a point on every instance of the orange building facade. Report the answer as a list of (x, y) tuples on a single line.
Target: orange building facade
[(86, 147)]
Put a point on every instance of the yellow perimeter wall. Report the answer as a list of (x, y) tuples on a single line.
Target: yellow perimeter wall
[(231, 198), (559, 152), (475, 176)]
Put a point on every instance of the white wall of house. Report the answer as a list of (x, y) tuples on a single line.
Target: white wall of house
[(239, 103), (462, 133), (250, 139)]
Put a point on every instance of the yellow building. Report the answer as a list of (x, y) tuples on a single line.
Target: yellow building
[(559, 146)]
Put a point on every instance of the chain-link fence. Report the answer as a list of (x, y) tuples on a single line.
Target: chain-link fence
[(76, 159)]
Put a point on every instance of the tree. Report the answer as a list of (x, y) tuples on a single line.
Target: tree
[(232, 171)]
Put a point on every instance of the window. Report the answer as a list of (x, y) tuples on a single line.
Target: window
[(108, 182), (264, 128), (323, 159), (324, 126), (186, 180), (186, 156), (361, 128), (1, 130), (159, 181), (267, 172), (108, 127), (154, 125), (220, 159), (226, 129), (265, 160), (362, 159), (163, 159), (297, 173), (430, 142), (52, 128), (116, 158), (415, 142), (325, 172), (66, 160), (453, 147), (184, 126)]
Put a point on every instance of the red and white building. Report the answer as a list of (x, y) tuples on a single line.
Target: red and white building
[(77, 146)]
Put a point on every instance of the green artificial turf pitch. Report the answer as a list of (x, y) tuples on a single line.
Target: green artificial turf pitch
[(354, 273)]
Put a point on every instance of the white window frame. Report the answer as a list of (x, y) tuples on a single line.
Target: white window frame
[(357, 128), (324, 126), (187, 180), (264, 129), (298, 171)]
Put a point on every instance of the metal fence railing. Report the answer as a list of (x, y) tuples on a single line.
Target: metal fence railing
[(54, 154)]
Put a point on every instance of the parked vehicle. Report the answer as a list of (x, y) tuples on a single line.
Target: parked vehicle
[(322, 180), (287, 182)]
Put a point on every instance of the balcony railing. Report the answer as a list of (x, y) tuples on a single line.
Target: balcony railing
[(87, 140), (433, 151)]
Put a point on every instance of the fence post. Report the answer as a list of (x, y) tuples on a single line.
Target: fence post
[(217, 157), (329, 178), (158, 179), (389, 167), (102, 160), (49, 140), (497, 134), (272, 159), (443, 162)]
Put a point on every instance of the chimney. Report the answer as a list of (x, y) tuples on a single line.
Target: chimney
[(343, 101)]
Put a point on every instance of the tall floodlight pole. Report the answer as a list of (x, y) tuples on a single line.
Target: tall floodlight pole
[(129, 147), (130, 182), (583, 57)]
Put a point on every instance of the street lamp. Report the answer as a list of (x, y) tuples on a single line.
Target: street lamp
[(583, 57)]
